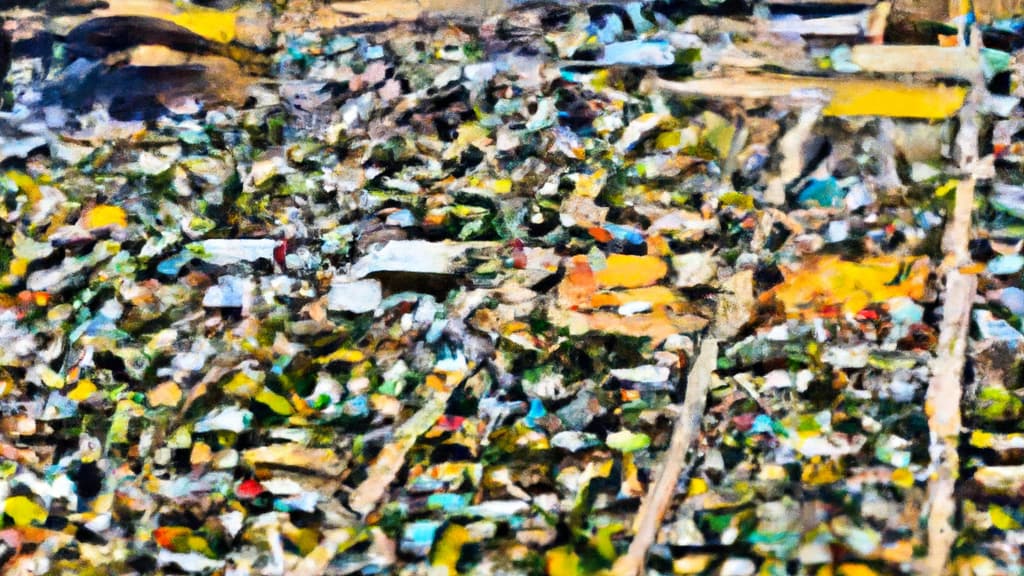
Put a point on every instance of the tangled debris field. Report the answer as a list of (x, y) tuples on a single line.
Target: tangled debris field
[(649, 287)]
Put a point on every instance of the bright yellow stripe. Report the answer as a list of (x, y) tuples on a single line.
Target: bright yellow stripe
[(890, 99), (210, 24)]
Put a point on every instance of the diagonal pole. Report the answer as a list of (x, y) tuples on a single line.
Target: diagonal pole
[(684, 434)]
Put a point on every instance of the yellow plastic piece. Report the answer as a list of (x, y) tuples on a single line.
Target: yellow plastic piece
[(655, 295), (697, 487), (23, 511), (903, 478), (448, 549), (82, 391), (210, 24), (1000, 519), (627, 271), (342, 355), (871, 98), (562, 561), (981, 439), (279, 404), (104, 215), (818, 472), (855, 570)]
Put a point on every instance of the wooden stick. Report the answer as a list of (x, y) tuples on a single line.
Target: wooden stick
[(942, 401), (660, 492), (942, 404), (389, 462)]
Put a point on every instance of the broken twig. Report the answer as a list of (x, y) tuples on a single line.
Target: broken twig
[(659, 494), (391, 459)]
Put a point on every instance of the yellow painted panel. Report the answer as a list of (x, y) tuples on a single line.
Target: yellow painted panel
[(855, 98)]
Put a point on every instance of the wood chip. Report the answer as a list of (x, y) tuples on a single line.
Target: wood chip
[(389, 462), (315, 460)]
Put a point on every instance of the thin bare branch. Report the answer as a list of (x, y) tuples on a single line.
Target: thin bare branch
[(660, 492)]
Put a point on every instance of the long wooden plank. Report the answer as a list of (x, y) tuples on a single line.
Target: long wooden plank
[(958, 62), (848, 96), (945, 388)]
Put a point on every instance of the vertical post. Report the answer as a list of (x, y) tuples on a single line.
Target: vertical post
[(945, 389)]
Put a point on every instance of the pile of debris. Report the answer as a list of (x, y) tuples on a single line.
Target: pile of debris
[(701, 287)]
